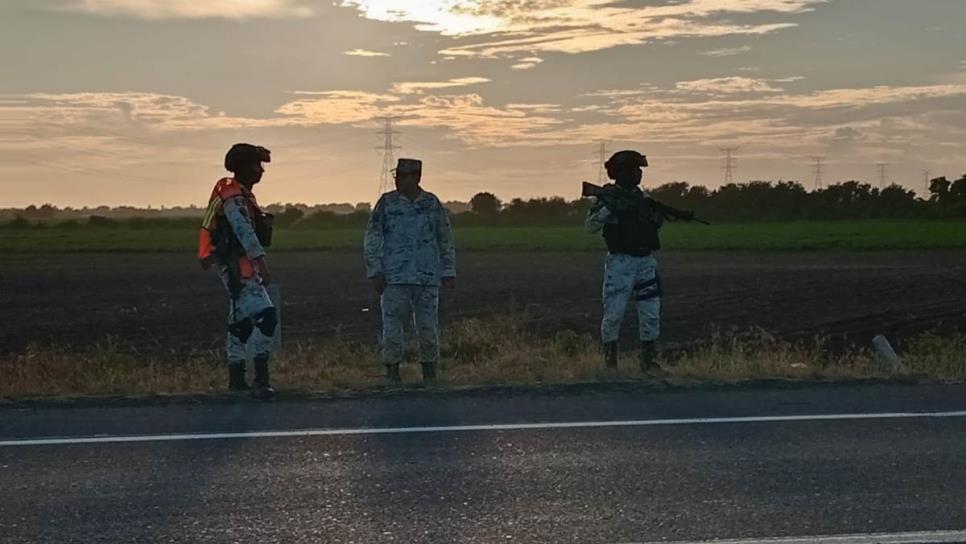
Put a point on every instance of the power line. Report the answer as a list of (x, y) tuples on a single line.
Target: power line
[(818, 169), (602, 156), (730, 163), (388, 150)]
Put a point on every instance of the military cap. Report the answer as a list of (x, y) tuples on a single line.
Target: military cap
[(409, 166)]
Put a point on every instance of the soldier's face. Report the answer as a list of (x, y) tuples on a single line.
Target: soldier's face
[(407, 183), (630, 177), (251, 174)]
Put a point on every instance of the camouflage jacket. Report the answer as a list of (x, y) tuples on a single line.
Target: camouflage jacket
[(239, 217), (410, 242)]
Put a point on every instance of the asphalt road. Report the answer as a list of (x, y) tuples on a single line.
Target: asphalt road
[(653, 465)]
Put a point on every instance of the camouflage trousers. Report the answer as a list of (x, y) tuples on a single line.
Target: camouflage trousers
[(628, 277), (245, 338), (414, 303)]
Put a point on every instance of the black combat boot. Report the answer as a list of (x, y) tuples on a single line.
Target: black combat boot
[(610, 354), (648, 359), (263, 390), (429, 372), (236, 377), (392, 374)]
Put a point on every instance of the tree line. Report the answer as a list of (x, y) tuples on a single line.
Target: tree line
[(735, 202), (748, 202)]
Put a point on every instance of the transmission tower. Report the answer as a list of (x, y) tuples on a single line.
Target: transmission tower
[(388, 150), (883, 168), (818, 169), (730, 163), (602, 156)]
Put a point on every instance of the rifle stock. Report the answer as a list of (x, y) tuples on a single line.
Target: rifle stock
[(589, 189)]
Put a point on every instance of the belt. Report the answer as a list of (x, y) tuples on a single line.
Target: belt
[(634, 252)]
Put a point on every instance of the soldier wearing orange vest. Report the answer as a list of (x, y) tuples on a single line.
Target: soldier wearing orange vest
[(234, 235)]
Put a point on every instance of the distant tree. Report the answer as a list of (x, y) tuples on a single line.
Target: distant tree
[(289, 217), (957, 191), (455, 206), (670, 191), (896, 201), (486, 204), (364, 207), (939, 189)]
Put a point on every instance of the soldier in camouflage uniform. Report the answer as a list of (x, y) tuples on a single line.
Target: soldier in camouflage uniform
[(630, 221), (234, 235), (409, 252)]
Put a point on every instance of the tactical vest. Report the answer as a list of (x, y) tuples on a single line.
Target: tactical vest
[(217, 242), (635, 232)]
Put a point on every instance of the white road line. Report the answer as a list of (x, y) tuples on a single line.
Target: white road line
[(924, 537), (115, 439)]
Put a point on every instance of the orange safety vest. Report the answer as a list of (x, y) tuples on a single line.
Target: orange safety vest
[(215, 218)]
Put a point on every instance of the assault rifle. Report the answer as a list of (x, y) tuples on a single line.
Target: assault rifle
[(618, 200)]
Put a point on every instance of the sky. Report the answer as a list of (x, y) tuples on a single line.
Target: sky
[(134, 102)]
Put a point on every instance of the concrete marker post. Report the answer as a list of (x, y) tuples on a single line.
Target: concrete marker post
[(887, 355)]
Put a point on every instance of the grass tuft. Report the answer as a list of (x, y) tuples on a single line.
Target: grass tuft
[(493, 351)]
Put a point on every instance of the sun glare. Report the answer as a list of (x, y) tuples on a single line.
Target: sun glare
[(431, 15)]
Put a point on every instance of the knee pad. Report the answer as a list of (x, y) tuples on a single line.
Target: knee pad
[(266, 321), (241, 330)]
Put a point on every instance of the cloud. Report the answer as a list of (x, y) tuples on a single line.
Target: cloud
[(527, 63), (510, 28), (535, 108), (620, 93), (366, 53), (336, 107), (584, 40), (784, 122), (419, 87), (872, 120), (150, 109), (192, 9), (470, 120), (846, 135), (466, 117), (726, 52), (729, 85)]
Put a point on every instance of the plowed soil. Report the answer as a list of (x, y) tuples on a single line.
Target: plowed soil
[(166, 305)]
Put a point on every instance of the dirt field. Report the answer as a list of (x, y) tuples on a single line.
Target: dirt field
[(165, 305)]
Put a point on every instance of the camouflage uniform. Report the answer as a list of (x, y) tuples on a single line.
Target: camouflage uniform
[(252, 300), (626, 277), (410, 242)]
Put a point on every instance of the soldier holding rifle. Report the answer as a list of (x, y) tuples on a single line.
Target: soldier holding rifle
[(630, 221)]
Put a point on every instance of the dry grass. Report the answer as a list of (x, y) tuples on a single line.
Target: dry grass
[(475, 352)]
